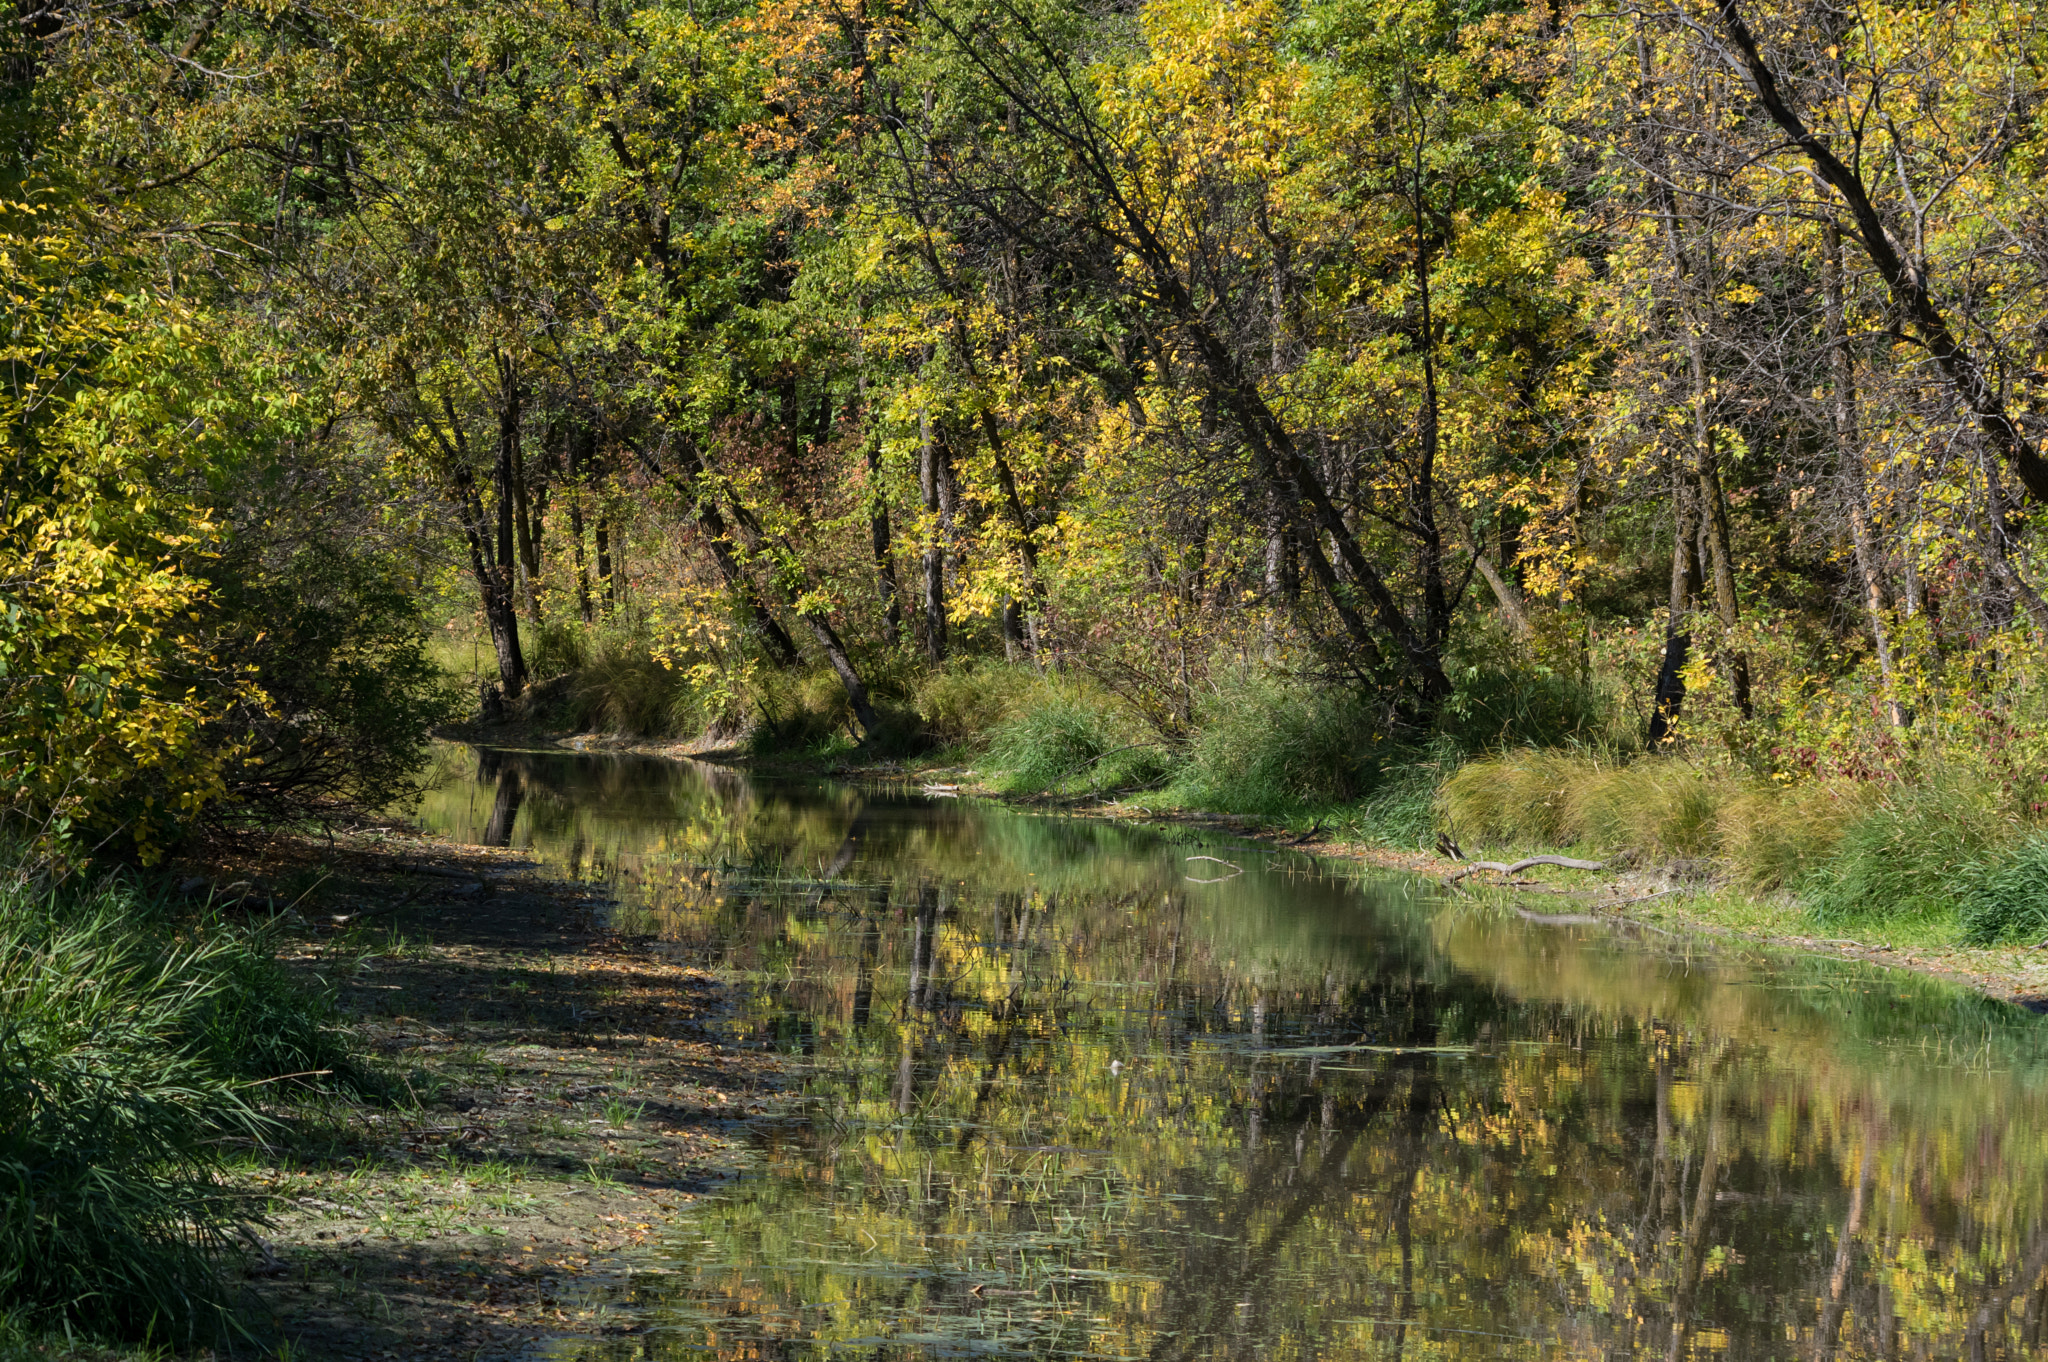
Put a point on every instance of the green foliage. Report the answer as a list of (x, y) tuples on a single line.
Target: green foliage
[(800, 709), (105, 694), (337, 650), (556, 646), (1509, 695), (2006, 897)]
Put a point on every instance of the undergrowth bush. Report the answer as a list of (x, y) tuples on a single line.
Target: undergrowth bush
[(1541, 692), (800, 709), (1400, 811)]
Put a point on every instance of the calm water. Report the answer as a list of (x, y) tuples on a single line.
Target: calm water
[(1071, 1093)]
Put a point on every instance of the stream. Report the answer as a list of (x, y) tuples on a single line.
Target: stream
[(1077, 1089)]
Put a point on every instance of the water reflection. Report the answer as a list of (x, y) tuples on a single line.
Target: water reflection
[(1064, 1100)]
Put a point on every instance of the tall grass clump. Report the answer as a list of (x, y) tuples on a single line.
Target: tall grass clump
[(1400, 810), (1074, 735), (2005, 899), (112, 1113), (1911, 856), (1267, 745), (963, 705), (255, 1023), (620, 686), (799, 709), (1656, 808)]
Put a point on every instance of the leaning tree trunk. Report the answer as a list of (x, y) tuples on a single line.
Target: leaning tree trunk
[(930, 481)]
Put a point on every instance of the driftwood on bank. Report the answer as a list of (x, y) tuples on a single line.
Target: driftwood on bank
[(1518, 867)]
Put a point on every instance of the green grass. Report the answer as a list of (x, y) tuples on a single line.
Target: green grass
[(2005, 898), (135, 1051), (110, 1113)]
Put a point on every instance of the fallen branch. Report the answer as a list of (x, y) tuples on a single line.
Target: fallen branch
[(1518, 867), (1562, 919), (1235, 870)]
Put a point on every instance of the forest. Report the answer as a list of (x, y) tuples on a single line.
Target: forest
[(1523, 424)]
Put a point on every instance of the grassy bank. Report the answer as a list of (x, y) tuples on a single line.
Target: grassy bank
[(1798, 818), (342, 1098)]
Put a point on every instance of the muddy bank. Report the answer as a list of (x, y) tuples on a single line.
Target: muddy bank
[(559, 1091)]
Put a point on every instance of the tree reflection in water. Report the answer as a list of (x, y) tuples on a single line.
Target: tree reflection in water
[(1065, 1102)]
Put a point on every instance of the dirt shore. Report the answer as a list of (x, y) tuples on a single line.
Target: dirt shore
[(560, 1091)]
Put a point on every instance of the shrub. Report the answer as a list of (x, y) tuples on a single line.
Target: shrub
[(555, 647), (2006, 897), (1530, 694), (111, 1217)]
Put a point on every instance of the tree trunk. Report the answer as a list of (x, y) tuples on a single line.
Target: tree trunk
[(1848, 448), (576, 451), (1670, 695), (499, 593), (1907, 280), (1715, 508), (849, 678), (929, 481), (780, 646), (526, 521), (885, 555), (607, 589), (1015, 633)]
